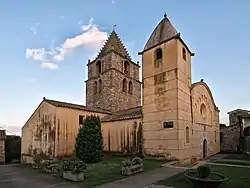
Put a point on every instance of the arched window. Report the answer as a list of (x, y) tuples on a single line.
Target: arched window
[(100, 86), (187, 134), (215, 136), (126, 67), (158, 54), (184, 54), (130, 88), (95, 87), (99, 67), (203, 110), (124, 85)]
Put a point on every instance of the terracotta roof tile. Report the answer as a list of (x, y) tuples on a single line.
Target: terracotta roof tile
[(130, 113), (75, 106)]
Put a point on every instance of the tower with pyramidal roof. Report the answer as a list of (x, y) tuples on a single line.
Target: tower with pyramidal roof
[(113, 78)]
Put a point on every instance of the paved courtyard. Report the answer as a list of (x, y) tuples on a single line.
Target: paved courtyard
[(14, 176)]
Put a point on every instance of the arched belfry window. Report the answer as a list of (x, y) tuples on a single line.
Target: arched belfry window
[(100, 86), (130, 88), (99, 67), (124, 85), (187, 134), (126, 67), (184, 54), (158, 54), (158, 57), (95, 87)]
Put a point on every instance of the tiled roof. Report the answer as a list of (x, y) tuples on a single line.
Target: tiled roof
[(75, 106), (130, 113), (162, 33), (114, 43)]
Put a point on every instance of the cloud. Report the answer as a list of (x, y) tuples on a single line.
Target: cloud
[(91, 38), (49, 65), (34, 29), (62, 17), (35, 54), (113, 1)]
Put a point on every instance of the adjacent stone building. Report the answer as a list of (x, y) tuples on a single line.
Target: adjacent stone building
[(179, 118), (2, 146), (231, 134)]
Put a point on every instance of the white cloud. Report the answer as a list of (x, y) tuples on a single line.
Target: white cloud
[(91, 38), (62, 17), (49, 65), (113, 1), (35, 54), (34, 29)]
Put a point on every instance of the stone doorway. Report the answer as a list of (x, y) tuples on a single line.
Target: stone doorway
[(204, 148)]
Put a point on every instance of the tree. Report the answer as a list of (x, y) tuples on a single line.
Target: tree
[(88, 147)]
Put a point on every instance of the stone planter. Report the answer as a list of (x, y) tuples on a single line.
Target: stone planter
[(129, 170), (77, 177), (213, 181), (36, 166)]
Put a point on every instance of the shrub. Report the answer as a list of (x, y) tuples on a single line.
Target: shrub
[(88, 147), (131, 162), (204, 171), (74, 166)]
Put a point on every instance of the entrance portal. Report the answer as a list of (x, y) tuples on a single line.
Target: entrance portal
[(205, 148)]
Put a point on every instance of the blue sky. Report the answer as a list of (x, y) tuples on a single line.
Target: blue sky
[(45, 46)]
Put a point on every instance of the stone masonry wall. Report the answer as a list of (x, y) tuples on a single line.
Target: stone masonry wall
[(2, 144), (230, 138), (112, 97)]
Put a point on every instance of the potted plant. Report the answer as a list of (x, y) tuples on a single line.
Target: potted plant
[(204, 178), (73, 170), (51, 166), (131, 166), (37, 159)]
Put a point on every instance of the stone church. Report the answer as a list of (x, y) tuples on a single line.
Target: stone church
[(179, 118)]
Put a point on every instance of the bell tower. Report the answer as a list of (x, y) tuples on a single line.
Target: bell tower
[(166, 76), (113, 78)]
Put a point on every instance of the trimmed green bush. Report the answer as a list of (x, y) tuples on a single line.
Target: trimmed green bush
[(88, 147), (204, 171)]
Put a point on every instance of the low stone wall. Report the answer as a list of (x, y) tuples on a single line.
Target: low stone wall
[(2, 144), (230, 138)]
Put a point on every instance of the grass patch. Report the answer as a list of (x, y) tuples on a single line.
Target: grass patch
[(233, 162), (107, 170), (234, 156), (238, 178)]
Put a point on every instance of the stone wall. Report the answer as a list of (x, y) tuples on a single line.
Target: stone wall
[(2, 144), (112, 96), (230, 138)]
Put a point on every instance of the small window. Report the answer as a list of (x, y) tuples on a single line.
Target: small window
[(126, 67), (158, 54), (168, 124), (95, 87), (99, 67), (187, 134), (184, 54), (215, 136), (81, 119), (130, 88), (124, 85), (100, 86)]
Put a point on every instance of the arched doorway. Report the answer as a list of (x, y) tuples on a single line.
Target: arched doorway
[(204, 148)]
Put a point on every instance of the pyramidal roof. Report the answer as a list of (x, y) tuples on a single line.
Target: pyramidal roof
[(162, 33), (114, 43)]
